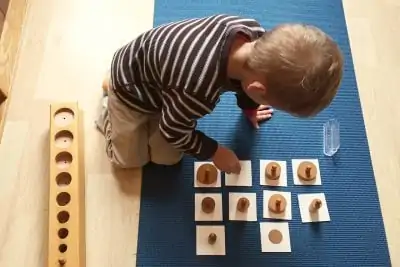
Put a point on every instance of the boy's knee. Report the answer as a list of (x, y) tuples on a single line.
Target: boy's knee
[(167, 159), (127, 165)]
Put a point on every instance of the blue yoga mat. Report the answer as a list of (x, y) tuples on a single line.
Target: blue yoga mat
[(355, 235)]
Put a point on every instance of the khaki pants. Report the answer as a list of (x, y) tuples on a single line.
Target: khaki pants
[(133, 139)]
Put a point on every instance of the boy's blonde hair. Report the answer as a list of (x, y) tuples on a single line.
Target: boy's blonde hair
[(303, 68)]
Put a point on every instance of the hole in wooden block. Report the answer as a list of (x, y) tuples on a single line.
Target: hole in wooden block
[(63, 233), (63, 179), (63, 198), (63, 216), (62, 262), (63, 139), (62, 248), (63, 160), (63, 117)]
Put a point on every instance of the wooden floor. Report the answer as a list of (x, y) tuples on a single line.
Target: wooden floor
[(67, 47)]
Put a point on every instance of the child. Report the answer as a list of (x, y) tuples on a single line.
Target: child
[(166, 79)]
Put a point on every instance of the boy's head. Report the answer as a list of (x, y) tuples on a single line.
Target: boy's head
[(296, 68)]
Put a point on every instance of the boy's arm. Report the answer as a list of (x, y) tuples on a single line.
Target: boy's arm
[(178, 124)]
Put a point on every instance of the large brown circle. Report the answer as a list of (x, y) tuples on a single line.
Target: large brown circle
[(63, 139), (63, 233), (63, 216), (275, 236), (63, 179), (212, 174), (63, 198), (272, 203), (243, 204), (63, 160), (208, 204), (302, 174), (269, 173)]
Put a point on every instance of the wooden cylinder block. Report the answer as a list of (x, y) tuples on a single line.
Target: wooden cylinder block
[(243, 204), (212, 238), (315, 205), (66, 236), (307, 171), (207, 174), (277, 203), (273, 171), (208, 204)]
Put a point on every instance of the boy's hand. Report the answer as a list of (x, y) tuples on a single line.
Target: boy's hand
[(258, 115), (226, 160)]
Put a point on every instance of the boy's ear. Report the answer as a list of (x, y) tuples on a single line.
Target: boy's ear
[(257, 87)]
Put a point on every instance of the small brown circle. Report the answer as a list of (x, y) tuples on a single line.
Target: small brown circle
[(273, 171), (243, 204), (208, 204), (212, 238), (275, 236), (207, 174), (277, 203), (307, 171), (62, 248)]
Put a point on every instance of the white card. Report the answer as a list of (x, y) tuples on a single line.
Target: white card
[(250, 215), (243, 179), (202, 245), (282, 181), (197, 164), (322, 215), (200, 215), (267, 245), (297, 180), (286, 215)]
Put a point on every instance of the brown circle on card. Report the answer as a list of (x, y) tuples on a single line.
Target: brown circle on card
[(275, 236), (243, 204), (212, 238), (315, 205), (277, 203), (208, 204), (273, 171), (207, 174), (307, 171)]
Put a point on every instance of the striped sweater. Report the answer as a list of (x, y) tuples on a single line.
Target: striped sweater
[(179, 69)]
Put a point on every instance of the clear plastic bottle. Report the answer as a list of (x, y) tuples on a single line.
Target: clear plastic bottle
[(331, 137)]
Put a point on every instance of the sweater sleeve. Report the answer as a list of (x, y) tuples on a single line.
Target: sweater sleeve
[(244, 102), (178, 124)]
